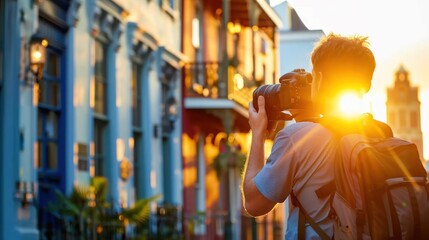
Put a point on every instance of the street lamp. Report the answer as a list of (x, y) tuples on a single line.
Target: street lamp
[(38, 57), (171, 113), (172, 109)]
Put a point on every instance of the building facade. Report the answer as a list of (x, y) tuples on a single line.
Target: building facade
[(90, 88), (296, 41), (403, 110), (232, 49), (9, 102)]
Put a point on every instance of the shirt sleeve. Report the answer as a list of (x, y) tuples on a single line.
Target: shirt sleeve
[(275, 180)]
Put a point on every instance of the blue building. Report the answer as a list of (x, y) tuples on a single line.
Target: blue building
[(88, 88)]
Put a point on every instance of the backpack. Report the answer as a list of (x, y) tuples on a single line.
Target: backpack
[(380, 189)]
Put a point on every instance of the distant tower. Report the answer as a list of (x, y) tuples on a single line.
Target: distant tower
[(403, 110)]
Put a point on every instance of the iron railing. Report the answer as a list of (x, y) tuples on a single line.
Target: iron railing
[(166, 226), (203, 79), (74, 228)]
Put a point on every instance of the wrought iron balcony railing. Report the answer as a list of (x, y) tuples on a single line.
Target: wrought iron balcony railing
[(203, 80)]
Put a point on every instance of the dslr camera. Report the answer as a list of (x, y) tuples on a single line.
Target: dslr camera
[(293, 92)]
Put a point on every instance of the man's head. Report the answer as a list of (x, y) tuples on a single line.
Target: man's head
[(341, 64)]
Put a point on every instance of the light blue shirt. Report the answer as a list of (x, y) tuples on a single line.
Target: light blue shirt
[(302, 161)]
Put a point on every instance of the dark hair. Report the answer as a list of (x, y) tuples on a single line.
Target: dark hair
[(345, 62)]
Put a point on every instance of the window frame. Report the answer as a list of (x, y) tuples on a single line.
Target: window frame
[(100, 119), (172, 11), (45, 109)]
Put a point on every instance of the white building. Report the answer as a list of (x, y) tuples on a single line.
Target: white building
[(296, 42)]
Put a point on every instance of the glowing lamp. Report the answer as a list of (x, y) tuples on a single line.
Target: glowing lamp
[(38, 57)]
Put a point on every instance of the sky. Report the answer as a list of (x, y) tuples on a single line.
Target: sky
[(398, 32)]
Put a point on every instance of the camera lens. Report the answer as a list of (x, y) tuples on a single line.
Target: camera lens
[(271, 95)]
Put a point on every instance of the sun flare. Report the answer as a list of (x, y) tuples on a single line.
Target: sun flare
[(350, 104)]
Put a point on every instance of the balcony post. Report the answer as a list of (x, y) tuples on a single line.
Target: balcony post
[(228, 223), (223, 70)]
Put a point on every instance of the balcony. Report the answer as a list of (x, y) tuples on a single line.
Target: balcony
[(263, 15), (204, 88)]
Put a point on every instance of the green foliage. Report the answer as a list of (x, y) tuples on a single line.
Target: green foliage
[(90, 202), (229, 156), (139, 213)]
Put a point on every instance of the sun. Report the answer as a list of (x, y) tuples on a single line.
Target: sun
[(350, 104)]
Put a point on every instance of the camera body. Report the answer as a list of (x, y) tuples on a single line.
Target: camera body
[(293, 92)]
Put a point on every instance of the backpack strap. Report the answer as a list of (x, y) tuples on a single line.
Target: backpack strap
[(415, 208), (303, 217), (395, 219)]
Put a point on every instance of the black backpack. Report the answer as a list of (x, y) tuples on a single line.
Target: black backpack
[(380, 189)]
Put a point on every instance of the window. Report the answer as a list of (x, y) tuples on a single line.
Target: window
[(136, 95), (136, 105), (402, 119), (413, 119), (264, 46), (49, 112), (100, 78), (100, 106), (82, 156), (171, 7), (171, 4), (100, 127), (138, 162)]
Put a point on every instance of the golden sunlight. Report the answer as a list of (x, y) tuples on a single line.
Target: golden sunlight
[(350, 104)]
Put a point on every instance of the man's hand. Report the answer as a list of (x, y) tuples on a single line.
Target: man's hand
[(254, 202), (258, 119)]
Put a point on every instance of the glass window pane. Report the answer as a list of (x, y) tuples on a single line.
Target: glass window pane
[(42, 91), (100, 78), (99, 133), (100, 60), (136, 95), (39, 123), (38, 154), (413, 119), (52, 125), (54, 93), (52, 156), (52, 68), (137, 161), (100, 98)]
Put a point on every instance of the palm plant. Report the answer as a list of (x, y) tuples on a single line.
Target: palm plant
[(88, 207)]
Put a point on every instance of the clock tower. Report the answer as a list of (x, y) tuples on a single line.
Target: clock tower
[(403, 110)]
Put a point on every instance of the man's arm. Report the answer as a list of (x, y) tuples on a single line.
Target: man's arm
[(254, 202)]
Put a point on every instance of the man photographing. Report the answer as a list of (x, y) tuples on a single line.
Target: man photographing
[(302, 157)]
